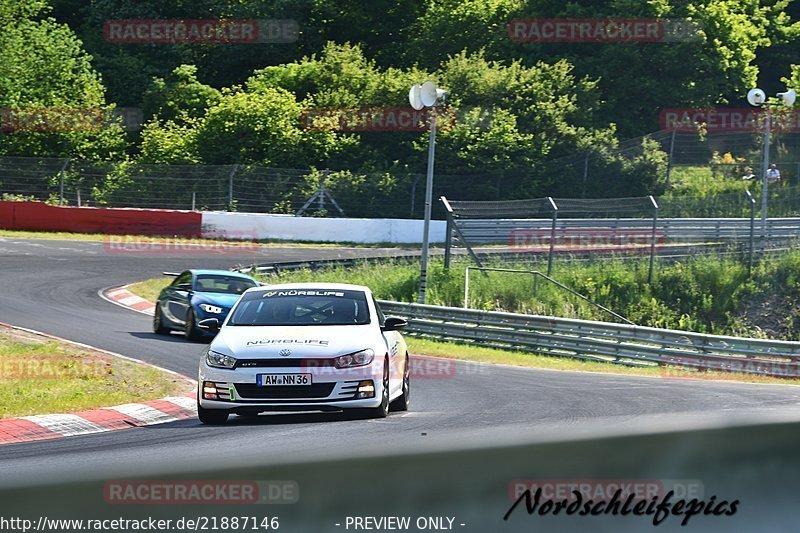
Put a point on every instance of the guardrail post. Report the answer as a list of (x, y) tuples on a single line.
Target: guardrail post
[(552, 235), (752, 232), (653, 240)]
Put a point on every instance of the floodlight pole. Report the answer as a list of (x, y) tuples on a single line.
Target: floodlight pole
[(764, 179), (423, 279)]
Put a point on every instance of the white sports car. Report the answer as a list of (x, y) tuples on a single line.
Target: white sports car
[(304, 347)]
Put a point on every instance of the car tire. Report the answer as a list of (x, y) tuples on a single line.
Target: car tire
[(158, 322), (190, 328), (212, 417), (402, 402)]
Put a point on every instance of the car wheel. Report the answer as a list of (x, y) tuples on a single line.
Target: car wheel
[(158, 322), (401, 403), (212, 416), (190, 329)]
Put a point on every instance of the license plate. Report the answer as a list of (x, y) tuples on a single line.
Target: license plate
[(273, 380)]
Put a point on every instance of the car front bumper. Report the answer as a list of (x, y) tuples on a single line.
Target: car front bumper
[(330, 390)]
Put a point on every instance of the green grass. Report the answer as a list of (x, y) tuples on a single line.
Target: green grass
[(42, 376), (706, 181), (150, 288), (703, 294)]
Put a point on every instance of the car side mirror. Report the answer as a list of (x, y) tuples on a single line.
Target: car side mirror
[(184, 287), (394, 323), (209, 324)]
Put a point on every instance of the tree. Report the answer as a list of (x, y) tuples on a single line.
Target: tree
[(45, 73), (636, 80), (180, 97)]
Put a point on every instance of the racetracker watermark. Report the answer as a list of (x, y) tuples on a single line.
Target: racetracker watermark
[(131, 244), (60, 367), (658, 498), (51, 119), (216, 31), (730, 119), (201, 492), (602, 30), (419, 367), (678, 367), (583, 240), (374, 119)]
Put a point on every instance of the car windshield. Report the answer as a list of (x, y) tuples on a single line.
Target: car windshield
[(224, 284), (302, 307)]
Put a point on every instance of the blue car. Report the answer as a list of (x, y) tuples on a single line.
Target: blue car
[(196, 295)]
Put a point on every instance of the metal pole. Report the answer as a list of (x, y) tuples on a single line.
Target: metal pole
[(194, 200), (585, 175), (552, 235), (764, 181), (448, 242), (61, 181), (230, 187), (414, 195), (79, 197), (653, 240), (423, 279), (466, 288), (752, 231), (669, 160)]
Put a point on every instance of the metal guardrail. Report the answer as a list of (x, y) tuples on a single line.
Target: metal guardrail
[(503, 231), (603, 341)]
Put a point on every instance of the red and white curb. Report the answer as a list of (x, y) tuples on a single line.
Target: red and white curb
[(42, 427), (123, 297)]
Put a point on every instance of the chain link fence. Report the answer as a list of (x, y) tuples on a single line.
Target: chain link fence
[(698, 175)]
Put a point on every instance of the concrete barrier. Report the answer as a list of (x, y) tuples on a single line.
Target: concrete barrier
[(38, 216), (249, 226)]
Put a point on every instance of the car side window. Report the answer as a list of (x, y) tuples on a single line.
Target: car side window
[(186, 277), (379, 312)]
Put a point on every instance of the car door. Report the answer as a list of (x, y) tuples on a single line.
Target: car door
[(177, 298), (395, 347)]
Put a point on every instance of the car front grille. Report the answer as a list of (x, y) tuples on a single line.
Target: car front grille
[(252, 391)]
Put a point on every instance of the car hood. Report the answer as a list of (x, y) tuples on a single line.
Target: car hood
[(221, 299), (264, 342)]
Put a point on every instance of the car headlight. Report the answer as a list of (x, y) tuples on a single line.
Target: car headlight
[(219, 360), (364, 357), (212, 309)]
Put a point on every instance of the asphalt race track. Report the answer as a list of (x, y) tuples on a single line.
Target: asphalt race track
[(52, 286)]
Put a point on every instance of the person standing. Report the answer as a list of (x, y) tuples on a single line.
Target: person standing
[(773, 174)]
